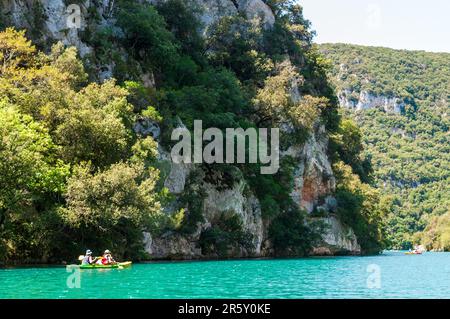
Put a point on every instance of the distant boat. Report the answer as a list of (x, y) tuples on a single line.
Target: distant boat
[(418, 250), (414, 252)]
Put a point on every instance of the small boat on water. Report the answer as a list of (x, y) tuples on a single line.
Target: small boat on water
[(100, 262), (418, 250), (413, 253), (121, 265)]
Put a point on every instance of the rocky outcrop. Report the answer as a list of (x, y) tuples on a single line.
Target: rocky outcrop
[(53, 16), (314, 186), (213, 10), (146, 127), (314, 181), (218, 202), (176, 180), (337, 240), (257, 9), (172, 246), (233, 201), (178, 173), (368, 100)]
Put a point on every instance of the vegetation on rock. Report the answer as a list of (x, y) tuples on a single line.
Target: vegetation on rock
[(72, 166)]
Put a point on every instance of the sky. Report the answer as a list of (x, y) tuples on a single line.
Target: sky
[(398, 24)]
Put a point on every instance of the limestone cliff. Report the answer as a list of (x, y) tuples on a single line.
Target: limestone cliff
[(366, 100), (213, 10), (362, 99), (47, 20), (314, 181), (314, 185), (339, 239)]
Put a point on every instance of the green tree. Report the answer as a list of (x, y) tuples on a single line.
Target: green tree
[(29, 172), (113, 207), (94, 128)]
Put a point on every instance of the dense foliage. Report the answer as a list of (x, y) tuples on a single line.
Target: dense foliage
[(410, 150), (75, 174), (70, 173)]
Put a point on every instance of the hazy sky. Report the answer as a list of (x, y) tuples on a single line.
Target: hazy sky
[(399, 24)]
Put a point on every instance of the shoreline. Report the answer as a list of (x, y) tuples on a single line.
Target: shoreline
[(159, 261), (151, 261)]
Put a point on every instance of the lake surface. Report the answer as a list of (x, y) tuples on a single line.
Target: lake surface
[(389, 275)]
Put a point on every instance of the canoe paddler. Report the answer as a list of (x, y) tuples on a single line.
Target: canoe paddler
[(107, 258), (88, 259)]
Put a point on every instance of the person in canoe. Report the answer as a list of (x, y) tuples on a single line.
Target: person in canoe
[(88, 259), (107, 259)]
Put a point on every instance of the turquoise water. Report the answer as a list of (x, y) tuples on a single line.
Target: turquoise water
[(400, 276)]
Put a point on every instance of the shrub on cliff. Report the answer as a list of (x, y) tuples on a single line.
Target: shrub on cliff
[(292, 235), (225, 235)]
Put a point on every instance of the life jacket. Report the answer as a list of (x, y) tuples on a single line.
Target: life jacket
[(105, 261)]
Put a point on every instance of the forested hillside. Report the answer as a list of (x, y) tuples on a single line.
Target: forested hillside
[(85, 134), (400, 100)]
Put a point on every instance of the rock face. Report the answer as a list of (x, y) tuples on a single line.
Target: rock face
[(217, 203), (314, 180), (314, 185), (146, 127), (339, 239), (176, 180), (234, 201), (57, 19), (257, 9), (213, 10), (367, 100), (172, 246)]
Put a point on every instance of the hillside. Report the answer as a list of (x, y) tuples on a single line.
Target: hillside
[(400, 100), (100, 100)]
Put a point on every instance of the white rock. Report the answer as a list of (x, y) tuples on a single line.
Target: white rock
[(257, 9), (176, 180), (146, 127), (313, 177), (57, 27), (338, 239), (233, 200), (148, 243), (367, 100)]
